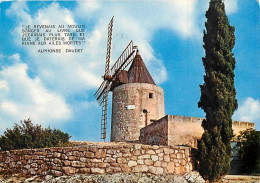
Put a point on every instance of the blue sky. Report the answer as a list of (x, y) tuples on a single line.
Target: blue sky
[(57, 90)]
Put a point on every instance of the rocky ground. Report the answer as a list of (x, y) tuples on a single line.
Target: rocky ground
[(241, 179), (113, 178), (192, 177)]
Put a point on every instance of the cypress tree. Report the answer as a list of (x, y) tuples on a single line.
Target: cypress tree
[(217, 94)]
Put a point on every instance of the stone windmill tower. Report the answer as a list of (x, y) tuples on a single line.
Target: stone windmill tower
[(137, 100), (136, 103)]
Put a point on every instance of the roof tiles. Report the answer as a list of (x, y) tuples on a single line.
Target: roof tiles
[(138, 73)]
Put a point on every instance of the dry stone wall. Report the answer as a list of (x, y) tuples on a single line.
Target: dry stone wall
[(99, 158)]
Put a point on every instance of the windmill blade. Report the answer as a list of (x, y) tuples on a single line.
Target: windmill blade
[(100, 90), (107, 77), (106, 85), (104, 112), (109, 41), (124, 60)]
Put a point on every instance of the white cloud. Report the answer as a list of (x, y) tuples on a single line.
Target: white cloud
[(174, 14), (3, 85), (249, 111), (88, 8), (23, 97), (69, 74), (19, 11), (15, 58), (139, 22), (4, 1), (231, 6), (64, 73)]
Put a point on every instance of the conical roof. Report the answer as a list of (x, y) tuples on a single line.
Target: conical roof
[(138, 72)]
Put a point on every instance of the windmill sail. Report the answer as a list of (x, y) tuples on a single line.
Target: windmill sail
[(124, 60), (110, 76), (100, 91), (104, 112), (109, 42)]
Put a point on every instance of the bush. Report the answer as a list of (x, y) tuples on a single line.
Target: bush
[(250, 151), (27, 136)]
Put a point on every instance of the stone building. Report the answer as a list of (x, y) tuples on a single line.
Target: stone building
[(181, 130), (138, 112), (136, 103)]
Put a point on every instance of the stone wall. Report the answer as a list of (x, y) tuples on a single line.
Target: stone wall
[(238, 126), (99, 158), (156, 133), (182, 130)]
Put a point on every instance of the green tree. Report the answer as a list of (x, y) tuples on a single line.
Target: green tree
[(27, 136), (250, 151), (217, 94)]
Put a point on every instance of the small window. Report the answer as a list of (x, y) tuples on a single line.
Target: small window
[(150, 95)]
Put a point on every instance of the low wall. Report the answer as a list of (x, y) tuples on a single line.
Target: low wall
[(181, 130), (99, 158), (156, 133), (185, 130)]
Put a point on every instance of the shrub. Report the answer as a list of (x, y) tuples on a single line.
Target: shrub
[(29, 136), (250, 151)]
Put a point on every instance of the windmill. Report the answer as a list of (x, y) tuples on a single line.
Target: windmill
[(110, 78)]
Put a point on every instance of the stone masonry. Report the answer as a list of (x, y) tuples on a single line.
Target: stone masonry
[(134, 106), (99, 158), (181, 130)]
